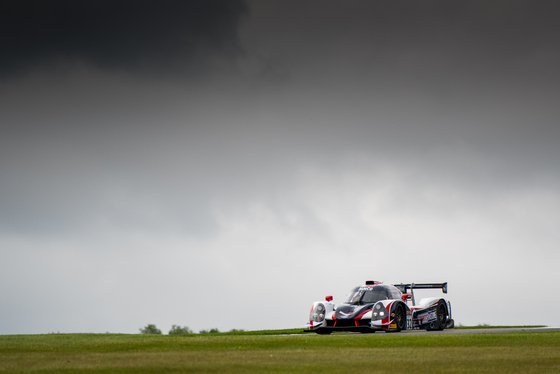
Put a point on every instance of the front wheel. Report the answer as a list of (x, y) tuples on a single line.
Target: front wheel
[(400, 317), (323, 332)]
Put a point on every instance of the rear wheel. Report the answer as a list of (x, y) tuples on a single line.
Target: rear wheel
[(441, 315), (400, 317)]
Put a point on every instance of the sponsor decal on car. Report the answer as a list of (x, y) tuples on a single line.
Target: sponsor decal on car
[(432, 315), (365, 288), (427, 317)]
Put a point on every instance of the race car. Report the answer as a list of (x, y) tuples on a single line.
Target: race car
[(382, 307)]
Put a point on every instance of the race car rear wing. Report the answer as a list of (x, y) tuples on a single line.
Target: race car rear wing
[(404, 287)]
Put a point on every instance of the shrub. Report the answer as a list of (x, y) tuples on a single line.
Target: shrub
[(178, 330), (150, 329), (211, 331)]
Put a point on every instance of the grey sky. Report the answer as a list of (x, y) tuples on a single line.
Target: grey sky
[(226, 163)]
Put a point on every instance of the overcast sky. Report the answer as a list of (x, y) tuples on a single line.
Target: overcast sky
[(226, 163)]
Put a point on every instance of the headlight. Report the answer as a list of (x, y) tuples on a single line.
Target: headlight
[(379, 312), (318, 314)]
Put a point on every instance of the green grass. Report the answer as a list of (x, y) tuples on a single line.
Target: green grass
[(497, 327), (252, 352)]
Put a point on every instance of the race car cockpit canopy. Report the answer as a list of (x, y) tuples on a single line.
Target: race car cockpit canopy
[(370, 294)]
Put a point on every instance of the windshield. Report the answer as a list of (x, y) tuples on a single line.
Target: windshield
[(366, 296)]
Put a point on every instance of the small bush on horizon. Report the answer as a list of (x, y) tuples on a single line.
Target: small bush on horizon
[(178, 330), (211, 331), (236, 330), (150, 329)]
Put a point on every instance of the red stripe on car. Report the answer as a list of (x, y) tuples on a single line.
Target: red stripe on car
[(386, 320), (359, 316)]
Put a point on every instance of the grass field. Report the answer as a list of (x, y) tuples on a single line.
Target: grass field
[(527, 352)]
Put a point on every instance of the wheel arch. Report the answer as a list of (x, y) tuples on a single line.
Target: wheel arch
[(442, 300), (399, 302)]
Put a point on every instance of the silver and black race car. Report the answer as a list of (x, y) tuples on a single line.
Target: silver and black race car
[(381, 307)]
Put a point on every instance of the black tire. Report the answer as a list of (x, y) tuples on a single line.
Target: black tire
[(400, 317), (441, 315), (323, 332)]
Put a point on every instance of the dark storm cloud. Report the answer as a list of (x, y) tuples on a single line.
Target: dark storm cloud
[(117, 34), (481, 71), (426, 41)]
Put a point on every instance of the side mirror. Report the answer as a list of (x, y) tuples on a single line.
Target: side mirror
[(328, 298), (406, 297)]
